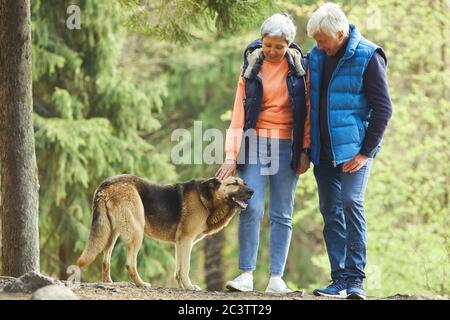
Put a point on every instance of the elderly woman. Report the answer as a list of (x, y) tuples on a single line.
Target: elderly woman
[(268, 139)]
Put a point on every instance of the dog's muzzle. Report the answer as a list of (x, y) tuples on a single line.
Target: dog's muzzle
[(242, 199)]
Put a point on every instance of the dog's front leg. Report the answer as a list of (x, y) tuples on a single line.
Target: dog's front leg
[(183, 248)]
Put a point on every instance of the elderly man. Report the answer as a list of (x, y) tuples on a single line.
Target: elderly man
[(350, 109)]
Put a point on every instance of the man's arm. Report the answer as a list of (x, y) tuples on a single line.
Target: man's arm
[(377, 92)]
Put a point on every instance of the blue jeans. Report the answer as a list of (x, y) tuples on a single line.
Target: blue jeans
[(341, 199), (282, 184)]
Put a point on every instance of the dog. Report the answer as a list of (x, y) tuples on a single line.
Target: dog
[(181, 213)]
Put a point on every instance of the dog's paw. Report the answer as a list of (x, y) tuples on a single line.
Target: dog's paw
[(194, 287), (145, 285)]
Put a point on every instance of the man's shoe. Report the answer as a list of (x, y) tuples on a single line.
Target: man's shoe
[(277, 285), (337, 289), (243, 283), (355, 289)]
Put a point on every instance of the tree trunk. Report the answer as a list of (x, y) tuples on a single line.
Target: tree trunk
[(0, 215), (213, 262), (19, 179), (63, 261)]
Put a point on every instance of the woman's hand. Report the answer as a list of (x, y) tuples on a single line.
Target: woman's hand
[(227, 169), (304, 164)]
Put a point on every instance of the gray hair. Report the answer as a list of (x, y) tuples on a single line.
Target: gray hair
[(329, 19), (279, 25)]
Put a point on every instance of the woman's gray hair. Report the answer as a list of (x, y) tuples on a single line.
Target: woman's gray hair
[(329, 19), (279, 25)]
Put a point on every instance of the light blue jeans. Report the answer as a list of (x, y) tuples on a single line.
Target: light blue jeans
[(282, 185)]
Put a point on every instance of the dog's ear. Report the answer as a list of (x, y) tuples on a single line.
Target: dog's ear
[(212, 183), (205, 189)]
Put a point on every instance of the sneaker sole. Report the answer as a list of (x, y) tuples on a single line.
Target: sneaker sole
[(355, 296), (233, 288), (340, 296), (279, 292)]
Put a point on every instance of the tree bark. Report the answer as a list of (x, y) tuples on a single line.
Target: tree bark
[(62, 253), (213, 262), (19, 178)]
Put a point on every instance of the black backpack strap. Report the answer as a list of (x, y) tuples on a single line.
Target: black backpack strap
[(305, 61)]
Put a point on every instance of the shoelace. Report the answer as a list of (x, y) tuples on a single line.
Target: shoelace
[(336, 284)]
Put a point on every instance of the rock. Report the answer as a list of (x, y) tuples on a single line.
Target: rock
[(30, 282), (54, 292), (4, 281), (100, 286)]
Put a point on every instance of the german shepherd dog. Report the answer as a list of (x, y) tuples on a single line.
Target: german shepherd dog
[(181, 213)]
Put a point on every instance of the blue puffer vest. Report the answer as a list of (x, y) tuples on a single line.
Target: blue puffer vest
[(296, 84), (348, 108)]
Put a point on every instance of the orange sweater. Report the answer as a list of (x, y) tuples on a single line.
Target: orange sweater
[(275, 113)]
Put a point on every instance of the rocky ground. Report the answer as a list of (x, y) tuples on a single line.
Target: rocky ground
[(127, 291)]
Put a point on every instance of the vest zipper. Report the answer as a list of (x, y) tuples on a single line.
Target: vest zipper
[(328, 113)]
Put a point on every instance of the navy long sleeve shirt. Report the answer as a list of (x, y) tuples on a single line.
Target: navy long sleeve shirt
[(377, 93)]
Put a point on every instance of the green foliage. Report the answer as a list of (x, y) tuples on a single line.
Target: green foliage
[(182, 20), (107, 99), (91, 116)]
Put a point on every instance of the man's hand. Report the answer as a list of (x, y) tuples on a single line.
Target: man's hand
[(227, 169), (303, 165), (355, 164)]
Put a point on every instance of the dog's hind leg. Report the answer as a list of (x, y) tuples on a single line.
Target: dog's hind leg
[(106, 265), (183, 248), (133, 246)]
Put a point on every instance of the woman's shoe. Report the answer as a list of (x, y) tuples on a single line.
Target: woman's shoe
[(277, 285), (243, 283)]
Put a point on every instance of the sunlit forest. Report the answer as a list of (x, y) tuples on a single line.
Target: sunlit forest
[(108, 96)]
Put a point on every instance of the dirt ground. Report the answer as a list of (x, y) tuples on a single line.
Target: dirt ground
[(127, 291)]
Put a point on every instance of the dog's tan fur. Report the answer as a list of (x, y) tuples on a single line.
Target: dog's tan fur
[(182, 213)]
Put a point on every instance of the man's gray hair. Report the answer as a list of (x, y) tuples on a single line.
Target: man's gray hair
[(328, 19), (279, 25)]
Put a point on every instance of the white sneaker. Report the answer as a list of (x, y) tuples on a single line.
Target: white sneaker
[(243, 283), (277, 285)]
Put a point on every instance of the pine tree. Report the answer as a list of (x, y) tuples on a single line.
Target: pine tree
[(182, 20), (19, 183), (89, 118)]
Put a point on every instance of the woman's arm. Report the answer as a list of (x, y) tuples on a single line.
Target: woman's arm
[(234, 133)]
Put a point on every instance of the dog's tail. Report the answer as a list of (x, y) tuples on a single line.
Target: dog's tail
[(99, 235)]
